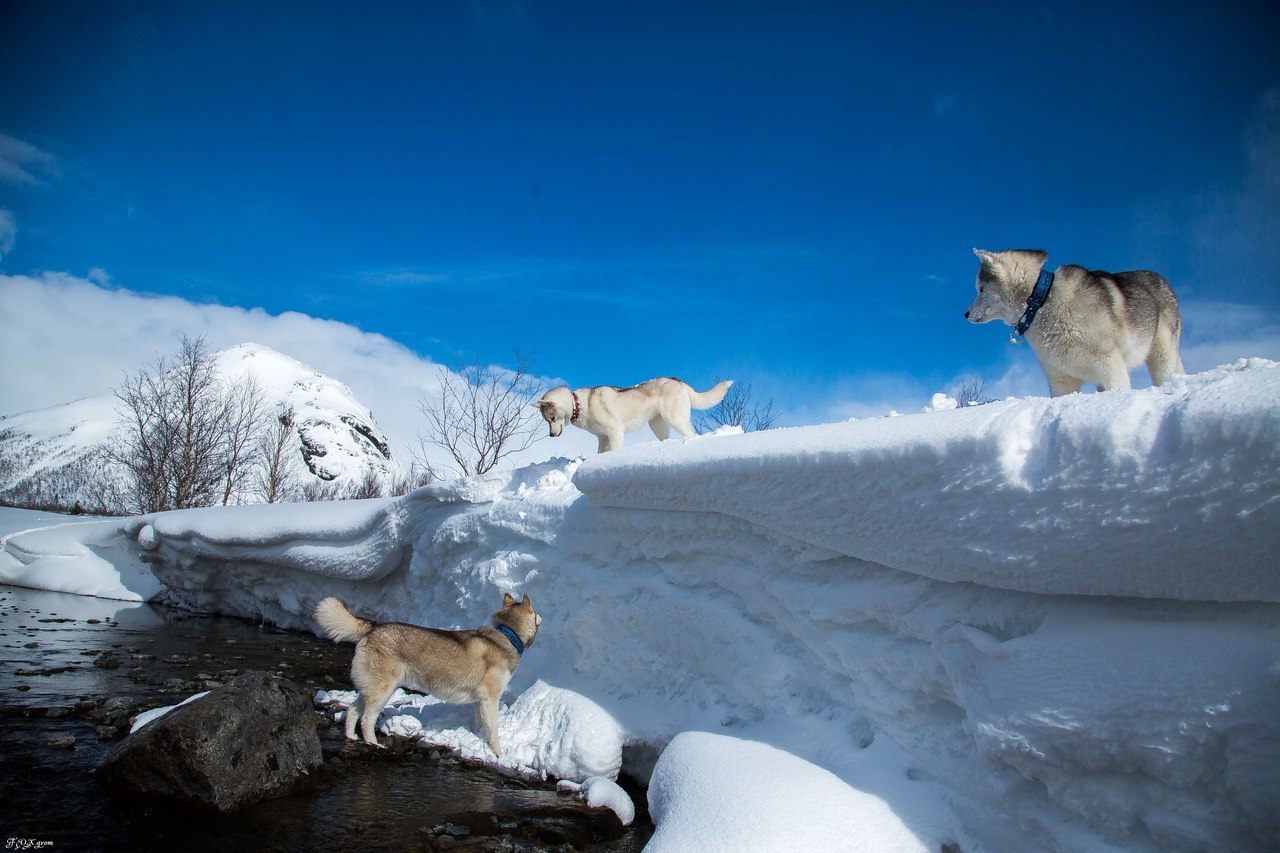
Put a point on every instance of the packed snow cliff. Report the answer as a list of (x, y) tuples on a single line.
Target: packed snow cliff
[(1036, 624)]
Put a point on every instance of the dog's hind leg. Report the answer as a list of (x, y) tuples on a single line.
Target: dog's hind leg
[(353, 716), (683, 425), (659, 426), (1164, 359), (373, 703)]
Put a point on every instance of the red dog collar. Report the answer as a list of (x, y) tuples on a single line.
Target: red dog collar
[(576, 408)]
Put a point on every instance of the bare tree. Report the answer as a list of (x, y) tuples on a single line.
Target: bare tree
[(481, 414), (274, 478), (970, 393), (186, 431), (368, 486), (737, 409), (246, 422), (418, 475)]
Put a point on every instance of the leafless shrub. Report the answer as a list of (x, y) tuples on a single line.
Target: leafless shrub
[(738, 408), (970, 393), (480, 415)]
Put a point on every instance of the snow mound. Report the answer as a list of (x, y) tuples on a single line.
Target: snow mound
[(547, 733), (716, 793), (600, 792)]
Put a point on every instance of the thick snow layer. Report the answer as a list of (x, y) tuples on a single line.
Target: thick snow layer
[(1136, 493), (65, 554), (1033, 625), (714, 793)]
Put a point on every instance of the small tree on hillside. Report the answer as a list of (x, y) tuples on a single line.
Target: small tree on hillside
[(274, 478), (185, 431), (737, 409), (480, 415)]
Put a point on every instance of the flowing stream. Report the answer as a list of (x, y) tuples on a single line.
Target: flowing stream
[(74, 670)]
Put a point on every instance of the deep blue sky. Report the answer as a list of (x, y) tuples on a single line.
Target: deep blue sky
[(782, 192)]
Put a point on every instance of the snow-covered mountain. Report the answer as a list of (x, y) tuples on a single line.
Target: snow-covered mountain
[(51, 457)]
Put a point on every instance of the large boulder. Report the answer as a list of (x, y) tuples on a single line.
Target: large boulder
[(251, 739)]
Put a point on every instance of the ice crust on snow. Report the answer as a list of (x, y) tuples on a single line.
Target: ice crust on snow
[(1035, 624)]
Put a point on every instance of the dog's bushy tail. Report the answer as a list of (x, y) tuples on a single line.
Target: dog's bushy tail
[(339, 624), (707, 399)]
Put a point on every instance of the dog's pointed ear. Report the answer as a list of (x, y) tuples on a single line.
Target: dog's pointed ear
[(507, 600), (527, 604), (983, 254)]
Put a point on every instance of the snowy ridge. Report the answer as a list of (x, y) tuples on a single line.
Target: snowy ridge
[(1076, 695), (45, 454), (338, 437), (1142, 493)]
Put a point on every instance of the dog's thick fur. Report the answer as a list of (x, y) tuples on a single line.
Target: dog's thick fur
[(1094, 327), (608, 412), (453, 666)]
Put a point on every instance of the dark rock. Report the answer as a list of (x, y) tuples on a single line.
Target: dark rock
[(248, 741), (62, 741)]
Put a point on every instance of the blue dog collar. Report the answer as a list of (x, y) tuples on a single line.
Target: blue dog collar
[(1035, 302), (511, 635)]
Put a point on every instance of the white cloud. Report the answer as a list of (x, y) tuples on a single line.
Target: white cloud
[(63, 337), (23, 164), (8, 231)]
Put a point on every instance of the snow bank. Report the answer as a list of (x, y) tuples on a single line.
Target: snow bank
[(1136, 493), (1037, 624), (76, 556), (715, 793)]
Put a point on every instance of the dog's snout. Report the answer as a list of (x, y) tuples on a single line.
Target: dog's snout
[(966, 315)]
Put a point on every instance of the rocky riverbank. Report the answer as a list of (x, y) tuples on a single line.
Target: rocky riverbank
[(76, 671)]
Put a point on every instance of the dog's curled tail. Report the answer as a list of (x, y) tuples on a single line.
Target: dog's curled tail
[(707, 399), (339, 624)]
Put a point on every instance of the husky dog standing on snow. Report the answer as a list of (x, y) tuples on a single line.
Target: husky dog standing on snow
[(608, 412), (453, 666), (1083, 326)]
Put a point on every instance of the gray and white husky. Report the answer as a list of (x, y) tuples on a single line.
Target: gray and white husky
[(453, 666), (1084, 326), (608, 412)]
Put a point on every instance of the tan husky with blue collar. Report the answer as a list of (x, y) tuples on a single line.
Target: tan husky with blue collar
[(453, 666)]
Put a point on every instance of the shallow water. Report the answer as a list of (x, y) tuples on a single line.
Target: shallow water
[(67, 663)]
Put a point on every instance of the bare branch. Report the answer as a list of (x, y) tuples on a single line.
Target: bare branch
[(480, 415)]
